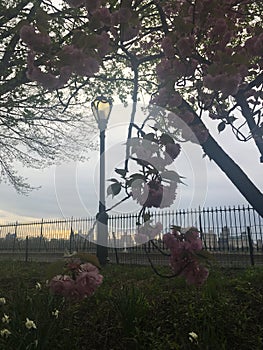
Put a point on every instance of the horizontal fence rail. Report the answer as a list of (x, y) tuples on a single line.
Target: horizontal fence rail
[(234, 235)]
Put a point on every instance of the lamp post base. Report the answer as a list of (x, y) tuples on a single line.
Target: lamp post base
[(102, 238)]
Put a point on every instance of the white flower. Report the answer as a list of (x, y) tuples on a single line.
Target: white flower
[(55, 313), (30, 324), (193, 337), (38, 286), (5, 333), (5, 319), (2, 301)]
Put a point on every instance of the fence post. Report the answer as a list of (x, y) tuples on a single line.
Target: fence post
[(42, 237), (26, 258), (250, 242), (115, 248), (201, 228), (71, 240)]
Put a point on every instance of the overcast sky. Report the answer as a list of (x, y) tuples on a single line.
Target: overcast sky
[(71, 189)]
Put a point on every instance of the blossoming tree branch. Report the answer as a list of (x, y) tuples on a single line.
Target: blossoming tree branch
[(193, 57)]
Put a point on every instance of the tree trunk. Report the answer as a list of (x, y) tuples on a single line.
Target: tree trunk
[(234, 173)]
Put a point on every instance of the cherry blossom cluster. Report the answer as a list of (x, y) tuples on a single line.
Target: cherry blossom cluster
[(147, 232), (211, 51), (80, 280), (84, 55), (184, 258), (154, 153), (153, 193), (183, 123), (80, 60), (154, 185)]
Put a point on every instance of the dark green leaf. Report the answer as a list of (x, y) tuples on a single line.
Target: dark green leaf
[(150, 137), (221, 126), (137, 176), (114, 189), (171, 175), (113, 180), (165, 138), (121, 172)]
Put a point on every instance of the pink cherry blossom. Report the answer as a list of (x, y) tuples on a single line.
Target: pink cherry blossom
[(103, 15), (81, 63), (103, 43), (84, 281), (174, 100), (164, 69), (173, 150), (75, 3), (183, 260), (62, 285), (141, 238), (92, 5), (47, 79), (38, 42), (154, 194), (185, 46), (88, 280), (219, 27), (195, 274), (168, 47), (123, 15)]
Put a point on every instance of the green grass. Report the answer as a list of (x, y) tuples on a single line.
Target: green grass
[(134, 309)]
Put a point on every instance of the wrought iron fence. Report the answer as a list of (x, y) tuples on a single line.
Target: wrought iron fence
[(234, 235)]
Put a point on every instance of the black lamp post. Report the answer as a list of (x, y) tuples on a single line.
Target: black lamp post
[(101, 108)]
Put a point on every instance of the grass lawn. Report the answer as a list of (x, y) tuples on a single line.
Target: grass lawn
[(132, 309)]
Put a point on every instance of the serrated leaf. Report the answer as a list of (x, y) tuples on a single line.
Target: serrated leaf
[(165, 139), (137, 176), (133, 141), (114, 189), (142, 162), (221, 126), (121, 172), (171, 175), (150, 136), (112, 180), (231, 119)]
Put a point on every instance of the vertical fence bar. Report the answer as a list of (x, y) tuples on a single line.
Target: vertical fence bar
[(250, 242), (26, 249)]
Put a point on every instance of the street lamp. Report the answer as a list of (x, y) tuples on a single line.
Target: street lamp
[(101, 108)]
